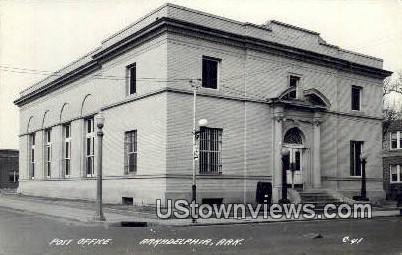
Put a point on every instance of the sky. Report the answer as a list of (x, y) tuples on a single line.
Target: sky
[(46, 35)]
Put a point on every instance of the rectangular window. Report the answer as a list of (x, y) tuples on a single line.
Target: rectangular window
[(210, 150), (210, 72), (32, 156), (67, 149), (13, 176), (293, 83), (356, 98), (356, 148), (48, 152), (130, 152), (395, 173), (90, 147), (396, 140), (132, 78)]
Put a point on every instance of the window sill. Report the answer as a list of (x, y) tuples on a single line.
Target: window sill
[(213, 89), (130, 174), (357, 112), (210, 174), (132, 95)]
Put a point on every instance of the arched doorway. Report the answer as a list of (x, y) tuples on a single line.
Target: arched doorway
[(293, 162)]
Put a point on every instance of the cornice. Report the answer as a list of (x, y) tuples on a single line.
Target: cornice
[(165, 24)]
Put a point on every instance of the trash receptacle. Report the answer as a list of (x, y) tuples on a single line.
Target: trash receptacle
[(264, 193)]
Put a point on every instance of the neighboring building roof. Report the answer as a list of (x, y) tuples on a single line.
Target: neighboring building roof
[(278, 36), (8, 153), (394, 125)]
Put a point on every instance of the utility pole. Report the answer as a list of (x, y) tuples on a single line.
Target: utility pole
[(195, 84)]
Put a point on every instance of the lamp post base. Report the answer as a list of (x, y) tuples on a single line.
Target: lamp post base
[(99, 218), (360, 198)]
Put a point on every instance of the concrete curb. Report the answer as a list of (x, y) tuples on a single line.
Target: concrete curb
[(121, 220), (242, 222)]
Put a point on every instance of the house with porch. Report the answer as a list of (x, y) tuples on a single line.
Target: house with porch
[(262, 88)]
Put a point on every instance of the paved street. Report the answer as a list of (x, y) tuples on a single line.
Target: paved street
[(26, 233)]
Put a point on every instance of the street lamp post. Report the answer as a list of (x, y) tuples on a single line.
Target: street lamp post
[(195, 84), (284, 200), (363, 195), (196, 151), (100, 121)]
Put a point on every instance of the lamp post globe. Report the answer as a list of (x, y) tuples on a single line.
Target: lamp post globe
[(364, 156), (203, 123), (285, 151), (100, 120)]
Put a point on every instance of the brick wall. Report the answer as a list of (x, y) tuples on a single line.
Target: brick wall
[(391, 157), (164, 120), (8, 165)]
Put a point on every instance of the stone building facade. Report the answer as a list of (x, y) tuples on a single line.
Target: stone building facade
[(392, 146), (263, 88)]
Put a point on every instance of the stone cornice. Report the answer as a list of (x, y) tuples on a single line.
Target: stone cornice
[(165, 24)]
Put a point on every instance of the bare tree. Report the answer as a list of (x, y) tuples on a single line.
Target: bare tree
[(393, 85)]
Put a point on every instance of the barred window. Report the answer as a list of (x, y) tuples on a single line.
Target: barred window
[(130, 152), (210, 150)]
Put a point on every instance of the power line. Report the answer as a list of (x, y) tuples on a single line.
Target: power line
[(97, 76)]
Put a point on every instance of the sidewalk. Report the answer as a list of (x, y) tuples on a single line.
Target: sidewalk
[(83, 211)]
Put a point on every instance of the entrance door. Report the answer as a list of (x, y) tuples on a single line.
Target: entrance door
[(293, 161)]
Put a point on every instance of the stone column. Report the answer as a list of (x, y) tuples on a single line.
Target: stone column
[(24, 157), (317, 151), (277, 171), (57, 152), (39, 155), (77, 148)]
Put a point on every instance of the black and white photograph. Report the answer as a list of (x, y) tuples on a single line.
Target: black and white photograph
[(200, 127)]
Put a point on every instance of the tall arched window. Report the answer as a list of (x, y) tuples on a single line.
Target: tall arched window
[(293, 136)]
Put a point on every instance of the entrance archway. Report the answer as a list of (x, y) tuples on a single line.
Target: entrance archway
[(293, 162)]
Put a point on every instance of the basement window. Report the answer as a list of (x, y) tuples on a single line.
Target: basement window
[(212, 201), (127, 200)]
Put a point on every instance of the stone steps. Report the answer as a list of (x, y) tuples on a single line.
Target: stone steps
[(319, 198)]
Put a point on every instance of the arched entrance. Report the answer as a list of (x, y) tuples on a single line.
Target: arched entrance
[(293, 162)]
